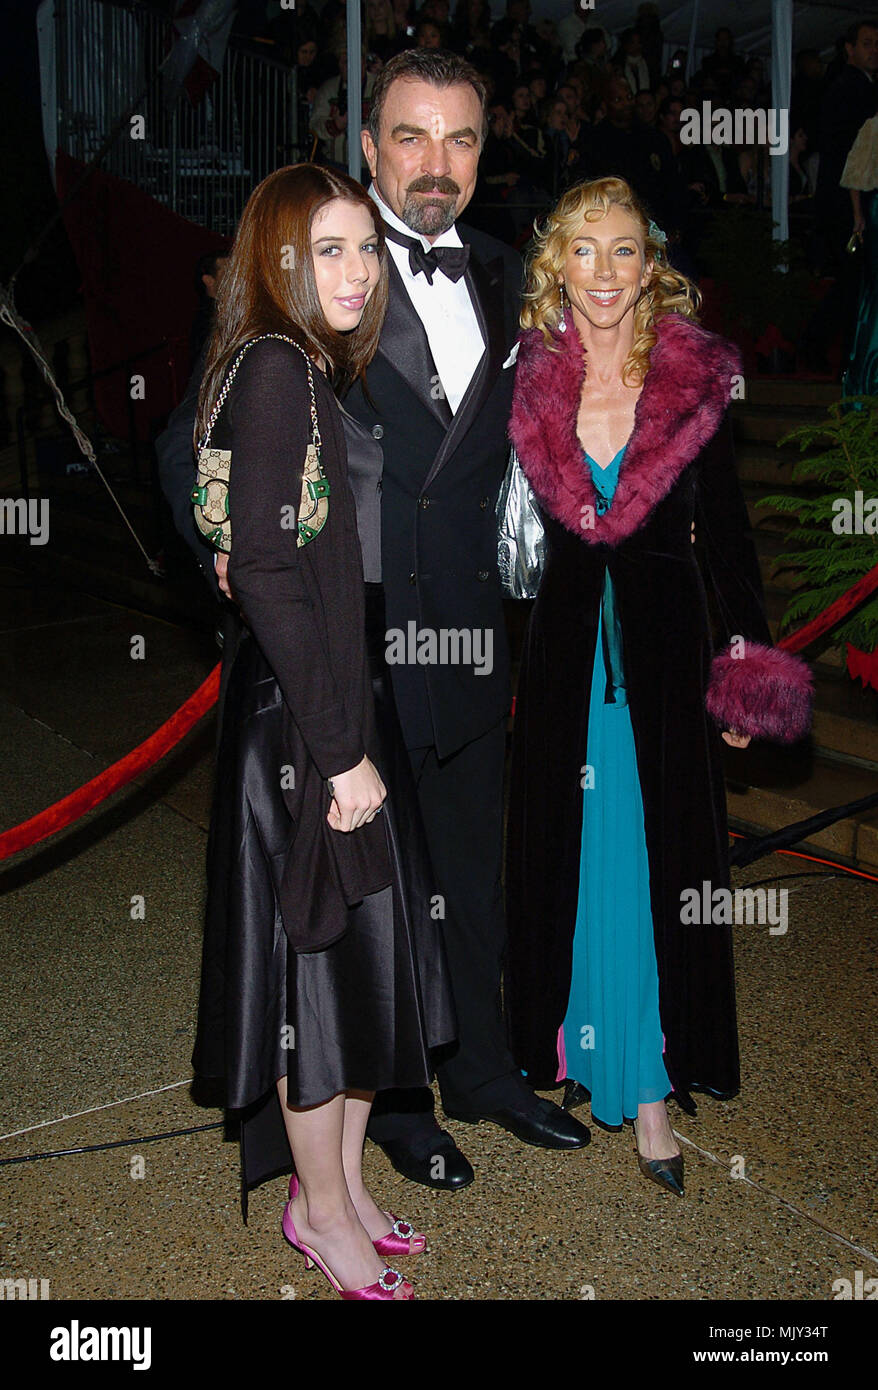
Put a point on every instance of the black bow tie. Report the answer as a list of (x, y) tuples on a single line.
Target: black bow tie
[(451, 260)]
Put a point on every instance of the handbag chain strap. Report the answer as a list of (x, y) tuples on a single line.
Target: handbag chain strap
[(231, 376)]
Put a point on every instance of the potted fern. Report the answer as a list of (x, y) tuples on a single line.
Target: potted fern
[(835, 540)]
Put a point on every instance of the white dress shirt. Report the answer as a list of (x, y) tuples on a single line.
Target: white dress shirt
[(444, 308), (637, 74)]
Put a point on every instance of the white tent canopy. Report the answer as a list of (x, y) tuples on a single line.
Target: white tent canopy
[(776, 28), (815, 25)]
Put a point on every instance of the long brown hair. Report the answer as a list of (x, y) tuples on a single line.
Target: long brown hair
[(668, 292), (268, 284)]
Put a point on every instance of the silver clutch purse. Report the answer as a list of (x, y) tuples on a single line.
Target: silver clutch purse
[(521, 536)]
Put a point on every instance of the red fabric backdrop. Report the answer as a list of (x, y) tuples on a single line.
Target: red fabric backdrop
[(137, 260)]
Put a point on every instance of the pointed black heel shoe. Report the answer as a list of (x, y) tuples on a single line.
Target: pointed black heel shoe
[(667, 1172), (574, 1095)]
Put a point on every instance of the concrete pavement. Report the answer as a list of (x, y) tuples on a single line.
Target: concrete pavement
[(101, 942)]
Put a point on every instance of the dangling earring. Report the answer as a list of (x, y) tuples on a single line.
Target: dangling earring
[(562, 326)]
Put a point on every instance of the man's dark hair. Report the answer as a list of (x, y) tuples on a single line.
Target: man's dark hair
[(614, 78), (504, 31), (665, 105), (434, 65), (589, 40), (852, 32), (425, 22), (206, 265)]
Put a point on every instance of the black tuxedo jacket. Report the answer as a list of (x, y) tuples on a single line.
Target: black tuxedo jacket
[(441, 476)]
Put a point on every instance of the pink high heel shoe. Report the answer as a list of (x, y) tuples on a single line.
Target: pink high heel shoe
[(400, 1241), (386, 1285)]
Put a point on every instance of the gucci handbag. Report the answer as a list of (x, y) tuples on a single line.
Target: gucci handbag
[(210, 496), (521, 536)]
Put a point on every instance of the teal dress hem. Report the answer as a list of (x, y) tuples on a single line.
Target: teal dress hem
[(612, 1034), (861, 375)]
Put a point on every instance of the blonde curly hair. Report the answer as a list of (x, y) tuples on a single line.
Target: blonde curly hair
[(668, 292)]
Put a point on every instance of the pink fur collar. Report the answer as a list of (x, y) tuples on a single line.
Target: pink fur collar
[(683, 400)]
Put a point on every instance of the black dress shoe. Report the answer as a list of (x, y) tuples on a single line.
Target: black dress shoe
[(433, 1160), (537, 1122)]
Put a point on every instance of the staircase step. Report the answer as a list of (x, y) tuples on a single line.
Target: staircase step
[(776, 603), (855, 839), (845, 718), (769, 423), (765, 519), (766, 465), (786, 391), (98, 521), (770, 545), (117, 572), (78, 490)]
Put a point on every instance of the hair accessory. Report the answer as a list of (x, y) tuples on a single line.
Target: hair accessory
[(656, 233), (562, 326)]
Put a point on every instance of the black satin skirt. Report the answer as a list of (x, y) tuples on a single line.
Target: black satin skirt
[(364, 1013)]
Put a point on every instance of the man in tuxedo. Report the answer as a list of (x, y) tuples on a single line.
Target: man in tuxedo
[(438, 397), (848, 101)]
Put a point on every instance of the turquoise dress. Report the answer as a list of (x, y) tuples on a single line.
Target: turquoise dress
[(861, 375), (612, 1036)]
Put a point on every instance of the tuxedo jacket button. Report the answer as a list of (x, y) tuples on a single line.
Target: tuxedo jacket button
[(483, 576), (484, 504), (412, 579), (423, 503), (377, 431)]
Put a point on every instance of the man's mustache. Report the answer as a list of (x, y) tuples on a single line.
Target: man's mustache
[(428, 185)]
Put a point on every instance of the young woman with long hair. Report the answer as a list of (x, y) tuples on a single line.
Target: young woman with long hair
[(323, 972)]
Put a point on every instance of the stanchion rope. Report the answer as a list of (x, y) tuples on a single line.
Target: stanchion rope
[(63, 812), (10, 315), (119, 774)]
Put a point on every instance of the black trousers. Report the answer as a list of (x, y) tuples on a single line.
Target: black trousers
[(836, 316), (461, 800)]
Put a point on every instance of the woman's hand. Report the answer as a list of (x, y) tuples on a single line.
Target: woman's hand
[(736, 740), (221, 565), (357, 797)]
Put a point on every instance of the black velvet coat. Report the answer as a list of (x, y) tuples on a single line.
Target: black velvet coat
[(678, 468)]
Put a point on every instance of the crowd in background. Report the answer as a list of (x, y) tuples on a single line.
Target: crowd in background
[(570, 101)]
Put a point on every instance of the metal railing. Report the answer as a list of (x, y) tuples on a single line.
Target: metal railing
[(201, 161)]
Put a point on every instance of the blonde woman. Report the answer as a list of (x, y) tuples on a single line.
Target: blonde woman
[(617, 815)]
